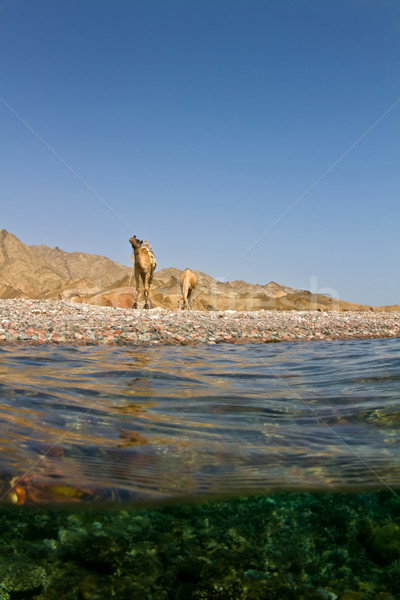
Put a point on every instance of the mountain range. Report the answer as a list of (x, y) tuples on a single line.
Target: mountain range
[(52, 273)]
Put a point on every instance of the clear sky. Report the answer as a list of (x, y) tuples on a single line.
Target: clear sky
[(249, 139)]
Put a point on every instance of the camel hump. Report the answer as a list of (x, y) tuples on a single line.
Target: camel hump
[(189, 277), (151, 254)]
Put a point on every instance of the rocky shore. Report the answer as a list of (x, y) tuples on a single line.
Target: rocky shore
[(60, 322)]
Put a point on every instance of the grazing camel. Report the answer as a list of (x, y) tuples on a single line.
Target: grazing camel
[(145, 264), (188, 283)]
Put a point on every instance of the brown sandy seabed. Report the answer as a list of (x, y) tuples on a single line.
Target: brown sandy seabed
[(25, 321)]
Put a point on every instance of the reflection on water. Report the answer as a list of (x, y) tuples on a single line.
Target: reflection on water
[(144, 424)]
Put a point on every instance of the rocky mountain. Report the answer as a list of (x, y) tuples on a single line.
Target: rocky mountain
[(43, 272)]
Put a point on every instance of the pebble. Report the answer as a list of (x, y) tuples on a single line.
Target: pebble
[(25, 321)]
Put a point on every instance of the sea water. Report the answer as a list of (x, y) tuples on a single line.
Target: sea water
[(228, 471)]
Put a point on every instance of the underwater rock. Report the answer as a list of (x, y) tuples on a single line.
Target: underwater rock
[(385, 542), (21, 576)]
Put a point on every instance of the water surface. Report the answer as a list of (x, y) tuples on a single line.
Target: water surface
[(133, 425)]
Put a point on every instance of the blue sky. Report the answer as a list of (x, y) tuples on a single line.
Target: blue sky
[(205, 127)]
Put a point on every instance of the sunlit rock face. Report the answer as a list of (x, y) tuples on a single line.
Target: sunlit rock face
[(43, 272)]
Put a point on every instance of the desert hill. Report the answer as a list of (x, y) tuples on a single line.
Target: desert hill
[(43, 272)]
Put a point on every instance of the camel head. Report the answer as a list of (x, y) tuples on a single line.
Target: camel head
[(135, 242)]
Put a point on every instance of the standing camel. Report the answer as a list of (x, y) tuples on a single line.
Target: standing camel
[(145, 264), (188, 283)]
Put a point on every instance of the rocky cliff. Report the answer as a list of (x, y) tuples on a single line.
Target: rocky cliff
[(43, 272)]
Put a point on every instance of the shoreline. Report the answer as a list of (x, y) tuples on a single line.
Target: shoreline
[(58, 322)]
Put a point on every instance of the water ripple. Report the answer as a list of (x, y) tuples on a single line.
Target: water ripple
[(87, 424)]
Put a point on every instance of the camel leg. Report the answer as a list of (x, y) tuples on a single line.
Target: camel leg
[(184, 297), (146, 290), (135, 303), (150, 281)]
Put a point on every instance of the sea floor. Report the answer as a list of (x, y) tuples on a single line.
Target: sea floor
[(276, 547)]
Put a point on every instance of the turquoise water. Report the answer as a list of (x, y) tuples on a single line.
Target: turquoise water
[(221, 472)]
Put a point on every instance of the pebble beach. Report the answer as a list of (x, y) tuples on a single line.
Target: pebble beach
[(26, 321)]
